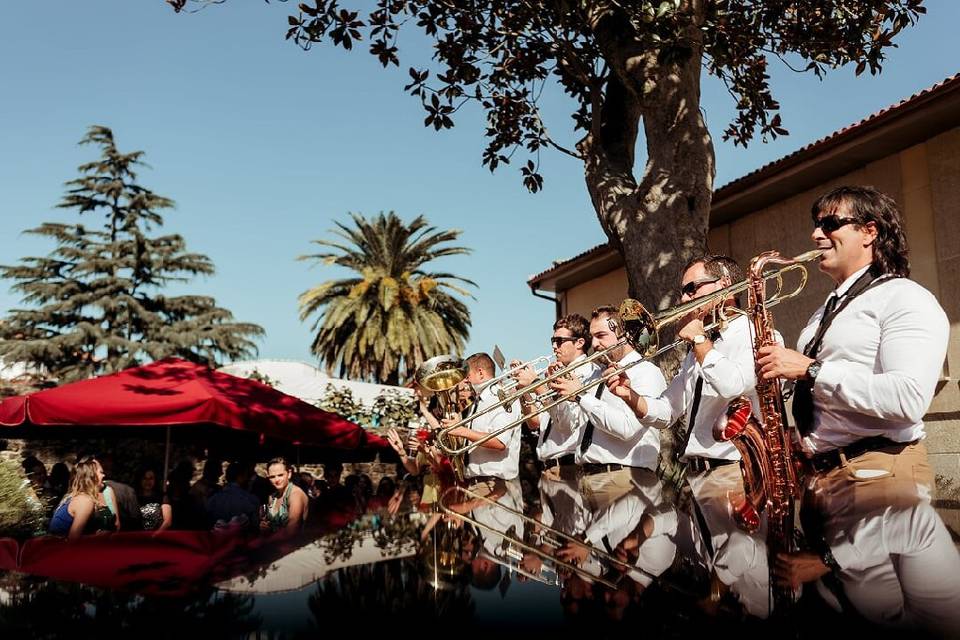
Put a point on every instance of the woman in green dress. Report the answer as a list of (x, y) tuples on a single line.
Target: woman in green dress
[(287, 507)]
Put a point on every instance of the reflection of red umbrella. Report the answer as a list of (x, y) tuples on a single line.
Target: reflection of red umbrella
[(178, 392), (171, 563), (164, 563), (8, 554)]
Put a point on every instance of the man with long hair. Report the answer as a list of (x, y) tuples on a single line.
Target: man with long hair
[(866, 370)]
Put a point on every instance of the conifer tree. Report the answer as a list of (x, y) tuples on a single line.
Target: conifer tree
[(96, 303)]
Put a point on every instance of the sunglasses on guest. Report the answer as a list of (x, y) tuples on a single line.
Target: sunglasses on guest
[(831, 223), (691, 288), (559, 340)]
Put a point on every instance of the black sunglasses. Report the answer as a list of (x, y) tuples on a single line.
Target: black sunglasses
[(691, 288), (831, 223), (559, 340)]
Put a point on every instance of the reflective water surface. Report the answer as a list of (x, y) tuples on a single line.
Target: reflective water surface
[(607, 554)]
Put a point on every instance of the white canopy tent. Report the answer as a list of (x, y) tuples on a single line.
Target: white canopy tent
[(306, 381), (307, 564)]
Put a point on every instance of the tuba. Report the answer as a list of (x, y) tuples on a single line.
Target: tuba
[(442, 375), (764, 442)]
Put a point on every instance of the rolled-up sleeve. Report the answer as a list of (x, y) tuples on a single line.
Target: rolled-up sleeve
[(615, 416)]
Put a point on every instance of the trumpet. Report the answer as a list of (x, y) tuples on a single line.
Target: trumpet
[(641, 330), (514, 546), (513, 558), (507, 383)]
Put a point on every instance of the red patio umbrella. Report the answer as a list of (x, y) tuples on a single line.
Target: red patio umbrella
[(178, 392)]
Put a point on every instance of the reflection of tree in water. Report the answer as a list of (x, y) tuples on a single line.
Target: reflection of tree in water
[(39, 608), (387, 596), (391, 534)]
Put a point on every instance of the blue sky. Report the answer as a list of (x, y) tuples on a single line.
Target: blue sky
[(263, 145)]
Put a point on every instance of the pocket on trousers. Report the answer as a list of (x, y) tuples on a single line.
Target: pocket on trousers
[(871, 466)]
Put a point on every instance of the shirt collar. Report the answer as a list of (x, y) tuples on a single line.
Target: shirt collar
[(841, 290)]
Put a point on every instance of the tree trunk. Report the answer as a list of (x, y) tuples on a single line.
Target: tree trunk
[(662, 221)]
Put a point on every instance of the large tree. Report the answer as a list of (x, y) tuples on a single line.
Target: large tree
[(382, 323), (625, 65), (96, 303)]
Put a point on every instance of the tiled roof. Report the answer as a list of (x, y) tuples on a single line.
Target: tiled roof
[(589, 253), (841, 135), (800, 155)]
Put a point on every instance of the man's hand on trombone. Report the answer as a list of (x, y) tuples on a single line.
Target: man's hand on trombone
[(566, 386)]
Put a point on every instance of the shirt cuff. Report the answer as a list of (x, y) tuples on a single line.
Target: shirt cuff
[(664, 522), (591, 404), (658, 413), (845, 553), (829, 378), (711, 358)]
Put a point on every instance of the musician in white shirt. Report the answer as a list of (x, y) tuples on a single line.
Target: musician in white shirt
[(560, 430), (497, 457), (615, 452), (722, 365), (871, 369)]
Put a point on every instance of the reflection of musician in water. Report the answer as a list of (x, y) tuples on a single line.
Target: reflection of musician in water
[(867, 374), (634, 530), (498, 527)]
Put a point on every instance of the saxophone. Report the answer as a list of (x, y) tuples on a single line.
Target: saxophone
[(766, 445)]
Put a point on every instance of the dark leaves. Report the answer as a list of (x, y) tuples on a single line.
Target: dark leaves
[(499, 55)]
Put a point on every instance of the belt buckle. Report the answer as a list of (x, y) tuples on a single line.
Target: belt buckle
[(826, 461)]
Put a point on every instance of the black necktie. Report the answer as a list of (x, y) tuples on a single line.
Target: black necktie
[(588, 430), (803, 389), (697, 393)]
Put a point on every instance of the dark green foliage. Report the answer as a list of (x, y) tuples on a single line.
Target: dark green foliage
[(500, 55), (96, 303), (381, 325), (20, 512)]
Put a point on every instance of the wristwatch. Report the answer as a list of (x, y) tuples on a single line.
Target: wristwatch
[(699, 339), (826, 556), (813, 370)]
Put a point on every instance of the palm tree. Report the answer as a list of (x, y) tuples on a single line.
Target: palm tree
[(394, 315)]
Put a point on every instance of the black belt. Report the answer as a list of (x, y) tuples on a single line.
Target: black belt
[(559, 462), (829, 460), (698, 464), (592, 468)]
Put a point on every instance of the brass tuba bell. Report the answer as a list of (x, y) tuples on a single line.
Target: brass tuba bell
[(442, 375)]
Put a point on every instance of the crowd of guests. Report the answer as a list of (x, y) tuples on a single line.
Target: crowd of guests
[(88, 498)]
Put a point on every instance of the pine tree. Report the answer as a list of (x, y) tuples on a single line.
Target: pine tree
[(96, 303)]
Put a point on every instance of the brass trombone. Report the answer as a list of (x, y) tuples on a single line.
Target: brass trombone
[(514, 546), (641, 331)]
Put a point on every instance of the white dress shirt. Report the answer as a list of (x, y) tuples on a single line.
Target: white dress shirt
[(618, 436), (492, 462), (882, 357), (728, 372), (501, 520), (566, 421), (611, 526)]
